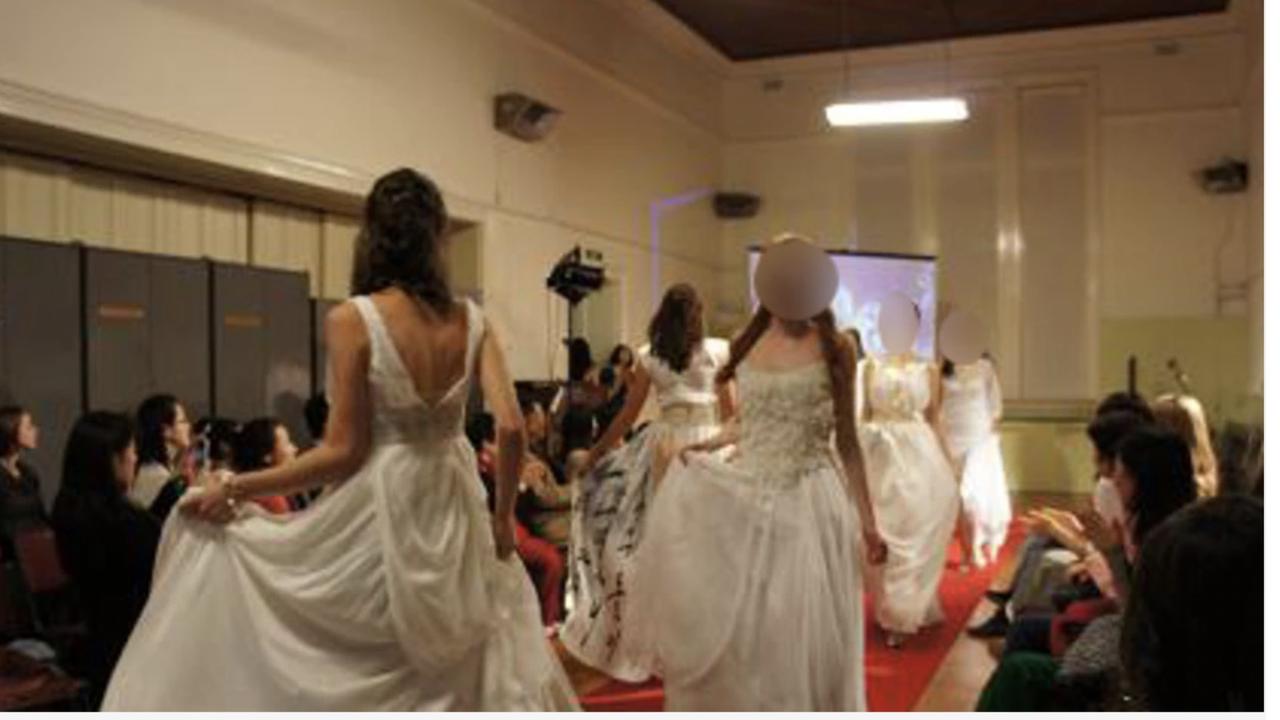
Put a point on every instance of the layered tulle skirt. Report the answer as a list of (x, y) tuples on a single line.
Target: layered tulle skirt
[(747, 593)]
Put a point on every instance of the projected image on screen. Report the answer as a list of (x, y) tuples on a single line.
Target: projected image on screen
[(865, 280)]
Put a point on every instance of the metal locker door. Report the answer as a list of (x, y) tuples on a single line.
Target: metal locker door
[(288, 313), (239, 342), (42, 337), (179, 346), (117, 308)]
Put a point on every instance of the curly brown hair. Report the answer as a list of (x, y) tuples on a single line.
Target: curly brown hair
[(677, 328), (399, 243)]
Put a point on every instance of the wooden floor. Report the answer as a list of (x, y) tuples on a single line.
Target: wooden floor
[(963, 673), (959, 680)]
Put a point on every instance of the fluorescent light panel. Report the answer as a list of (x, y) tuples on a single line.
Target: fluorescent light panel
[(897, 112)]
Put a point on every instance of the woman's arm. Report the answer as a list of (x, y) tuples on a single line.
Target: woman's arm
[(500, 398), (636, 395), (347, 435), (855, 471), (867, 369), (727, 401)]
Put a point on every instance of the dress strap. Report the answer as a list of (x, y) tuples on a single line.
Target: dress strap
[(373, 325), (475, 333)]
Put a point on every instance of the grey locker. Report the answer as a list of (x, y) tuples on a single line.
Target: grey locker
[(288, 348), (179, 316), (41, 334), (118, 332), (147, 329), (239, 342)]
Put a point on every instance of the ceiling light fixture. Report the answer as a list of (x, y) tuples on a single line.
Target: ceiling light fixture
[(854, 113)]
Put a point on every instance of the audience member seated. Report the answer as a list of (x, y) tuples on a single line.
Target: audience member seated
[(1239, 453), (316, 414), (1184, 415), (215, 443), (106, 543), (545, 500), (21, 505), (1193, 629), (1057, 541), (1155, 479), (545, 564), (574, 409), (623, 361), (164, 437), (262, 443)]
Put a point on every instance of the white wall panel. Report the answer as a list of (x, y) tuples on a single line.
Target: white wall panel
[(286, 238), (33, 197), (1058, 320)]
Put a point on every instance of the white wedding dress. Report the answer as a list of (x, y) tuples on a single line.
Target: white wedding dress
[(970, 404), (387, 594), (611, 507), (747, 594), (913, 489)]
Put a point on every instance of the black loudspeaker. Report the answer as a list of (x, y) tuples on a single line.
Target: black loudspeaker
[(1228, 176), (523, 117), (735, 204)]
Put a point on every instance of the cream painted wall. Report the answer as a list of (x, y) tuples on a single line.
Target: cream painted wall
[(365, 87), (60, 201), (1048, 209), (351, 89)]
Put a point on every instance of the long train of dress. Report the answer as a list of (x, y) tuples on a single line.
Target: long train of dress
[(387, 594)]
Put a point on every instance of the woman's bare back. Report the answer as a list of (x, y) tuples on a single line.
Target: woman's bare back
[(432, 348)]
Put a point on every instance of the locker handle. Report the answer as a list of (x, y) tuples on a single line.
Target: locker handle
[(242, 321), (121, 312)]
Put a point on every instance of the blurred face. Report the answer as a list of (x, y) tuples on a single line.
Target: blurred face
[(625, 358), (535, 422), (1125, 484), (178, 435), (1105, 468), (284, 450), (28, 433), (125, 465)]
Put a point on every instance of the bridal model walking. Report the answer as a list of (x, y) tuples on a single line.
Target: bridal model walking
[(395, 591)]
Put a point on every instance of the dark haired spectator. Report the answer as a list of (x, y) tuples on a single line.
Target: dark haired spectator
[(316, 413), (21, 505), (105, 542), (1192, 636), (1155, 478), (1058, 541), (545, 499), (543, 561), (574, 409), (215, 443), (261, 443), (164, 437)]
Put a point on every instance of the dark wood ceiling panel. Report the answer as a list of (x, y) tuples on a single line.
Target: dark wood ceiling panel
[(755, 29)]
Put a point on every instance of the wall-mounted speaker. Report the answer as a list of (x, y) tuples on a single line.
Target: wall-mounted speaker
[(735, 205), (1228, 176), (523, 117)]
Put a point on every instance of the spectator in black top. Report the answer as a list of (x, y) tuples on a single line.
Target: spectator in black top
[(106, 543), (20, 503), (1193, 629), (316, 413)]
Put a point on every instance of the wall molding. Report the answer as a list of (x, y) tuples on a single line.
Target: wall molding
[(47, 123)]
